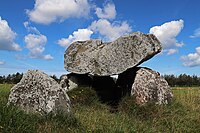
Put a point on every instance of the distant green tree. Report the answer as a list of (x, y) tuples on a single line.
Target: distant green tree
[(171, 79), (2, 79), (9, 79), (182, 80), (17, 77)]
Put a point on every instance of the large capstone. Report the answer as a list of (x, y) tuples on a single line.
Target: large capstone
[(39, 93), (104, 59), (150, 87)]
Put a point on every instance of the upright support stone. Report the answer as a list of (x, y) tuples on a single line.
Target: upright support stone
[(149, 86)]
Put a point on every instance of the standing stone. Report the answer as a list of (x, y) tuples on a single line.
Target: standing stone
[(149, 86), (105, 59), (39, 93)]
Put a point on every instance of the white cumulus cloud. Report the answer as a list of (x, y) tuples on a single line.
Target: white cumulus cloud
[(2, 62), (7, 37), (171, 51), (167, 34), (108, 12), (196, 33), (30, 28), (80, 35), (192, 59), (36, 45), (105, 27), (48, 11), (110, 31)]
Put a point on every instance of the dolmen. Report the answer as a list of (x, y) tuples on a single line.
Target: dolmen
[(98, 61), (93, 63)]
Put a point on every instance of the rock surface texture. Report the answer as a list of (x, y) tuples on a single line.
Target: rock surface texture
[(64, 82), (104, 59), (71, 81), (37, 92), (149, 86)]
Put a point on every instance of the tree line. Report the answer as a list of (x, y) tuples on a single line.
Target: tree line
[(173, 80), (182, 80), (15, 78), (11, 78)]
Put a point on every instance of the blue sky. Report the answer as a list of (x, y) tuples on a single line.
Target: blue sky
[(35, 33)]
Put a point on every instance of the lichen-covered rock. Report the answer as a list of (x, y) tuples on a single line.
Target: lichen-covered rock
[(104, 59), (73, 80), (64, 82), (39, 93), (149, 86)]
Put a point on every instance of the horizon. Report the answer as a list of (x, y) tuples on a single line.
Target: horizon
[(35, 34)]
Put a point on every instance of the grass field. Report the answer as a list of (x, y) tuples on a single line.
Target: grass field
[(89, 115)]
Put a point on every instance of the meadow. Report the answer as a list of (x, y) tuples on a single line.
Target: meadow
[(90, 115)]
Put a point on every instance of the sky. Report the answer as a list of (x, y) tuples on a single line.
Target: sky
[(34, 34)]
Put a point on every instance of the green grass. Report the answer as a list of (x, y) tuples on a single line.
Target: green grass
[(4, 92), (14, 120), (89, 115)]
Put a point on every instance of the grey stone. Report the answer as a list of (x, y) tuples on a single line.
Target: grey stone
[(73, 83), (39, 93), (68, 84), (149, 86), (73, 80), (105, 59), (64, 82)]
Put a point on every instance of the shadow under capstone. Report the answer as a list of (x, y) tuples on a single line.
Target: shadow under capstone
[(107, 90), (80, 79), (125, 81)]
